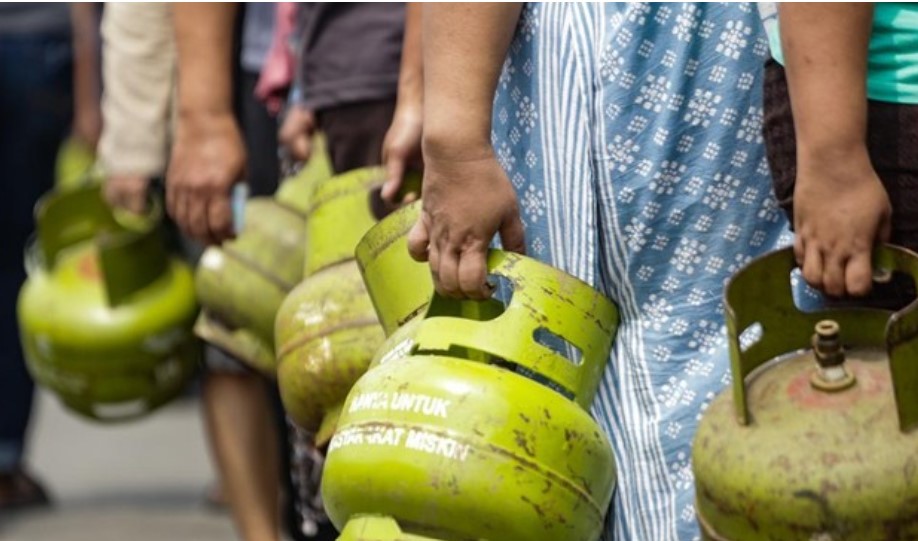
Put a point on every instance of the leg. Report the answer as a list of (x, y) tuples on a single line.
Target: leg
[(35, 112), (355, 133), (243, 439)]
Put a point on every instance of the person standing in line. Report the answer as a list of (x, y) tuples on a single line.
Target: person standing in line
[(348, 71), (622, 143), (48, 89), (841, 128), (140, 76)]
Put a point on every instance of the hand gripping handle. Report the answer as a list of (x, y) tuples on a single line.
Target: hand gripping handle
[(132, 253), (761, 293), (544, 299)]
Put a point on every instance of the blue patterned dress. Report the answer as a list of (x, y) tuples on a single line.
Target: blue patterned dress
[(632, 134)]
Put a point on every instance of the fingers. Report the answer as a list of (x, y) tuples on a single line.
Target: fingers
[(473, 275), (833, 274), (457, 273), (799, 251), (447, 273), (812, 265), (512, 237), (836, 275), (220, 218), (128, 193), (194, 218), (301, 147), (858, 274), (418, 240), (296, 133)]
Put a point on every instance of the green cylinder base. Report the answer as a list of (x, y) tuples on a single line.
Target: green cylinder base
[(378, 528)]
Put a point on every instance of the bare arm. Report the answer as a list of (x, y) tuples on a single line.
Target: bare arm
[(87, 120), (467, 195), (840, 206), (464, 49), (402, 146), (208, 156), (204, 37)]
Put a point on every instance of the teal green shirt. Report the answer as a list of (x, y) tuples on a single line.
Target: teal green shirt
[(892, 71)]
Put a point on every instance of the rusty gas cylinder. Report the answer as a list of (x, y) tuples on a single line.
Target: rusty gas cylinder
[(482, 431), (242, 283), (326, 330), (816, 439), (399, 287)]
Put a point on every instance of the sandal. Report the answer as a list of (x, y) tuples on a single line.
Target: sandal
[(19, 490)]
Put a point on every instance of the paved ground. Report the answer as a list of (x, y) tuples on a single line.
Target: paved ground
[(139, 482)]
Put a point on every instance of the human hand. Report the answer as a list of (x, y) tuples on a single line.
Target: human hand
[(296, 132), (208, 158), (128, 192), (402, 150), (841, 210), (465, 203)]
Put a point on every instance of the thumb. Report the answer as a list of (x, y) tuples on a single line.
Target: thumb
[(512, 237), (301, 147), (418, 240), (395, 171)]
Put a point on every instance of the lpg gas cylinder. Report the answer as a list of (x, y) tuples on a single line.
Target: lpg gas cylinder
[(815, 441), (483, 431), (326, 331), (242, 283), (105, 313), (343, 208), (399, 287)]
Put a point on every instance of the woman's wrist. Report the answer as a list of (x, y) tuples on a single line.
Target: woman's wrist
[(455, 145), (456, 137), (832, 152)]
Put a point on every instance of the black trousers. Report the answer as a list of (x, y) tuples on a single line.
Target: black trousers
[(36, 107)]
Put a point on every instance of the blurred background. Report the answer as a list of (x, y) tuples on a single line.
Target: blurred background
[(145, 481)]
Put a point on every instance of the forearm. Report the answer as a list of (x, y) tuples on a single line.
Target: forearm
[(825, 47), (464, 50), (411, 72), (204, 42)]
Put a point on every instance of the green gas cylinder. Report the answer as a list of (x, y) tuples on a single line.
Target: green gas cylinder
[(816, 439), (242, 283), (105, 313), (325, 330), (482, 431), (343, 208), (399, 287)]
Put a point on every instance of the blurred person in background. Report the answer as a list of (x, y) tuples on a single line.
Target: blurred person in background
[(347, 81), (348, 76), (348, 58), (140, 64), (48, 89)]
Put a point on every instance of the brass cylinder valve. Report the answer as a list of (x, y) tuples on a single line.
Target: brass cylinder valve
[(831, 373)]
